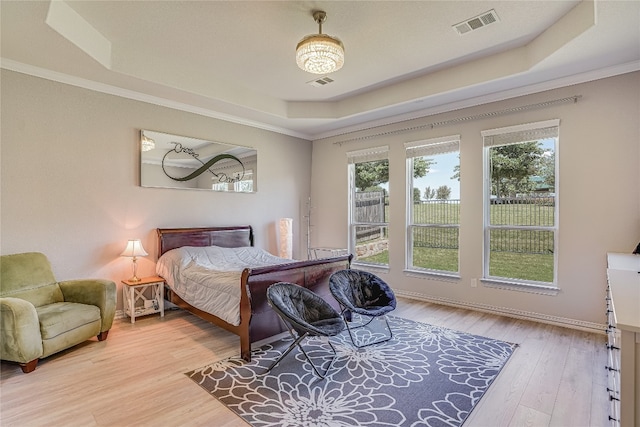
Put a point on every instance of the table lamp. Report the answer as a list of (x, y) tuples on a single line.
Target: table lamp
[(134, 249)]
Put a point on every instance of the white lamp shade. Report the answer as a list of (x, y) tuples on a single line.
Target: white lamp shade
[(134, 248), (286, 237)]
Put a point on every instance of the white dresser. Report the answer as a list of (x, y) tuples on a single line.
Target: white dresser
[(623, 332)]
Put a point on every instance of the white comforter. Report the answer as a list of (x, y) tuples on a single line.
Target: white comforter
[(209, 277)]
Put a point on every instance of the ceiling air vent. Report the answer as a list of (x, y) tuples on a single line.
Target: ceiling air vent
[(322, 81), (476, 22)]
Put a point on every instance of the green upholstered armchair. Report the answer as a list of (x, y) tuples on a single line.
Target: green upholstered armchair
[(41, 316)]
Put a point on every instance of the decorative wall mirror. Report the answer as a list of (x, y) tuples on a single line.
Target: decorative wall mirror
[(173, 161)]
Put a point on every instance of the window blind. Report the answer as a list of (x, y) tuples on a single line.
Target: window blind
[(432, 147), (521, 133), (368, 155)]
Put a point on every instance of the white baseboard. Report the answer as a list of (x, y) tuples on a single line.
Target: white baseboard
[(503, 311), (509, 312)]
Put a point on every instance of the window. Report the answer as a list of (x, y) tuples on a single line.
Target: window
[(520, 231), (433, 204), (239, 182), (220, 186), (245, 184), (368, 206)]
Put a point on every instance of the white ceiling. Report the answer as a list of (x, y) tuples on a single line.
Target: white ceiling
[(235, 59)]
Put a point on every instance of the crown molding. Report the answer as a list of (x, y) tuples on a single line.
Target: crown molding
[(417, 114), (31, 70), (565, 81)]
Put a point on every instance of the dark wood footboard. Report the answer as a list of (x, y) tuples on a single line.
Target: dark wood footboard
[(260, 319)]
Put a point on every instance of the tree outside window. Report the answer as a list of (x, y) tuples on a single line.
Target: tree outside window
[(521, 204), (368, 206)]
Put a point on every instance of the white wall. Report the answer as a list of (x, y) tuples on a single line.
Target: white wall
[(70, 179), (599, 190), (69, 186)]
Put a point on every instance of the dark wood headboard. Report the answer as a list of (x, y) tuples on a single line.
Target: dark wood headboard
[(228, 237)]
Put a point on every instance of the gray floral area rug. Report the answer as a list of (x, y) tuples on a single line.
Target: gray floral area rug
[(424, 376)]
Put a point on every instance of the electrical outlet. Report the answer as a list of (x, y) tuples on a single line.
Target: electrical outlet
[(474, 283)]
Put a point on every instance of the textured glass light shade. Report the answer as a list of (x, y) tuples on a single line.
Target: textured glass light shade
[(320, 54)]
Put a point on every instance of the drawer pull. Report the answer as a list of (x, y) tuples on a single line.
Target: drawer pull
[(609, 368)]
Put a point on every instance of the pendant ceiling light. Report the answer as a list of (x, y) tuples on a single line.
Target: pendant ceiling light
[(320, 53)]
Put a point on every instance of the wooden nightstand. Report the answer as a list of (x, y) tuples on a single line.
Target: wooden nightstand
[(143, 297)]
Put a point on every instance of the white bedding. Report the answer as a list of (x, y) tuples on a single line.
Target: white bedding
[(209, 277)]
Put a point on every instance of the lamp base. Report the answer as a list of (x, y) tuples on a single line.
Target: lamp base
[(135, 278)]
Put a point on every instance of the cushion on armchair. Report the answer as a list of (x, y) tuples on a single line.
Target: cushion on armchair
[(41, 316), (29, 277), (65, 324)]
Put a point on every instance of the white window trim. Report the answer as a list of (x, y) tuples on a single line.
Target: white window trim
[(514, 284), (425, 147), (361, 156)]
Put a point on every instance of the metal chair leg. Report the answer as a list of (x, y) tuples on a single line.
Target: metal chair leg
[(351, 330), (322, 376), (297, 342)]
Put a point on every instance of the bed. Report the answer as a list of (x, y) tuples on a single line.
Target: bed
[(257, 320)]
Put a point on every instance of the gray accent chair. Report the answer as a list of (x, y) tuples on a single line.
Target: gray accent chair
[(305, 314), (368, 296), (41, 316)]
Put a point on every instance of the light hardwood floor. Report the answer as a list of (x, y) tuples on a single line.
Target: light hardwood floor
[(136, 377)]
